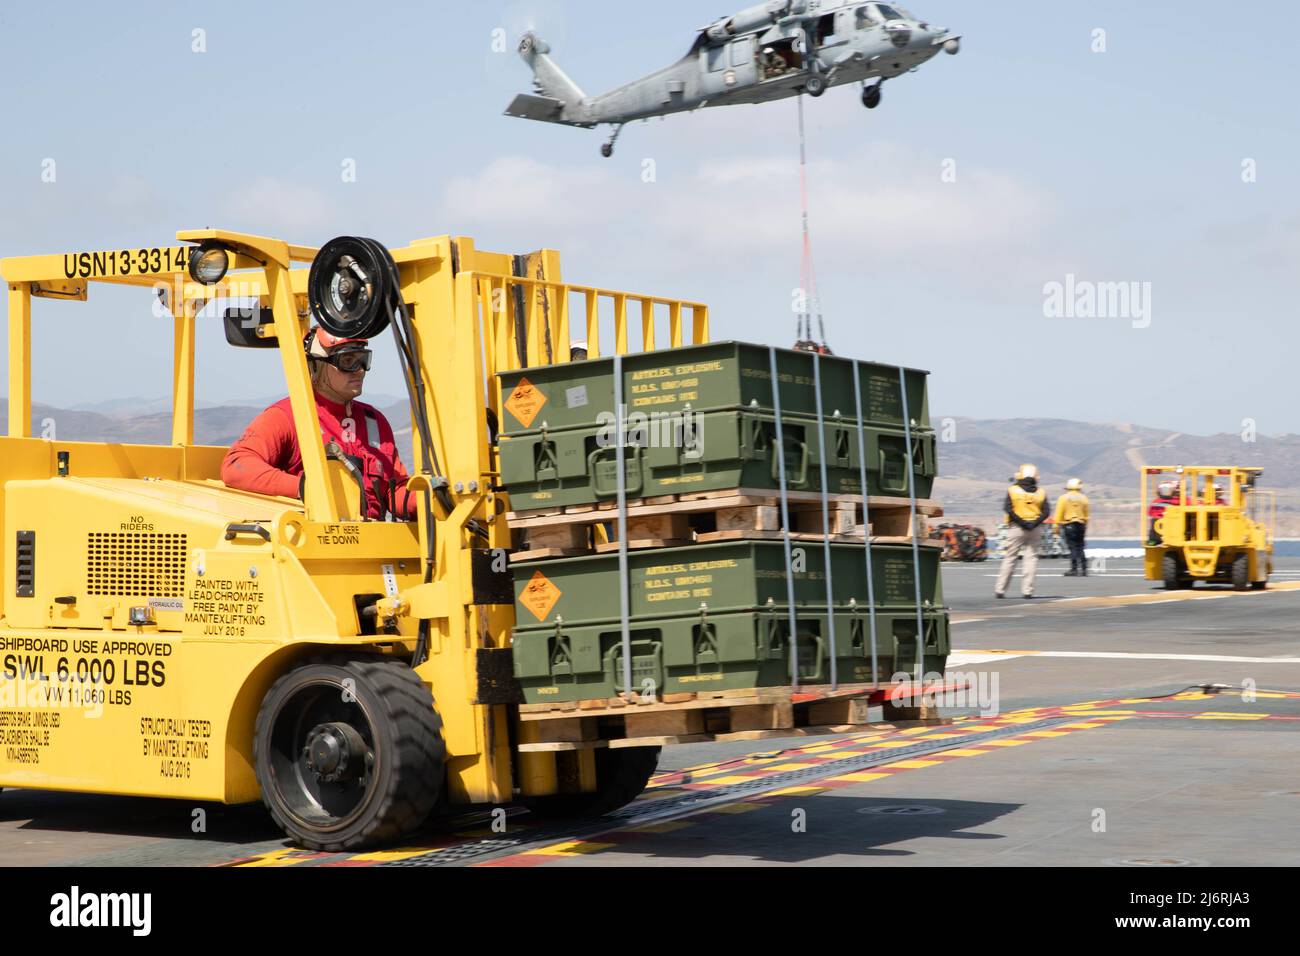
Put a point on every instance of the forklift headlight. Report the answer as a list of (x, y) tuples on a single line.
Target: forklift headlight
[(208, 263)]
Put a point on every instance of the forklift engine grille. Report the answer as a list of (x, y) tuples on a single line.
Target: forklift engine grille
[(136, 564)]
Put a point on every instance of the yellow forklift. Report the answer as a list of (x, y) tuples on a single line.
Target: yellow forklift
[(164, 635), (1207, 523)]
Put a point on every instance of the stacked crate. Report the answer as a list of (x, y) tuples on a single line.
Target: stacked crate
[(707, 564)]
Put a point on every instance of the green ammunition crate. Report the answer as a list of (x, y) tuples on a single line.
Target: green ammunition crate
[(722, 652), (719, 578), (710, 377), (709, 452)]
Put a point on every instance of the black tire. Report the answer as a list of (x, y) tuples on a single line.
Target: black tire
[(1241, 572), (607, 150), (1171, 573), (621, 775), (815, 85), (871, 97), (389, 779)]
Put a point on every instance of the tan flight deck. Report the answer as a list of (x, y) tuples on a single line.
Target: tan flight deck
[(165, 636)]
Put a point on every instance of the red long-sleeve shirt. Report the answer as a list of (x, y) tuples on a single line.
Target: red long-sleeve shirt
[(266, 459)]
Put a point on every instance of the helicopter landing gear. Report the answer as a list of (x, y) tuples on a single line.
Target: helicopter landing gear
[(815, 85), (871, 96), (607, 149)]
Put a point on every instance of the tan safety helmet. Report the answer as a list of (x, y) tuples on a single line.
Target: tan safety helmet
[(1027, 471), (1074, 484), (1166, 489)]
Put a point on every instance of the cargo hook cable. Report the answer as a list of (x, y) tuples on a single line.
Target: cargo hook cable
[(807, 274)]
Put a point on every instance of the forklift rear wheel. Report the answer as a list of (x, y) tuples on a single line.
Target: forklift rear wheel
[(815, 85), (349, 753), (621, 775), (1258, 585), (1241, 572)]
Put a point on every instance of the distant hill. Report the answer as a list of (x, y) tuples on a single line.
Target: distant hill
[(974, 467)]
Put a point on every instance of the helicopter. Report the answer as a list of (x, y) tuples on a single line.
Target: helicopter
[(767, 52)]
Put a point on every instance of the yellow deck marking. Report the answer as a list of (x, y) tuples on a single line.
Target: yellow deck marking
[(384, 856), (286, 857), (1005, 743), (1212, 716), (792, 791), (781, 767), (724, 781), (915, 764), (964, 752), (570, 848)]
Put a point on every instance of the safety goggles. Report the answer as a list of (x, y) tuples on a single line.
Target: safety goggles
[(357, 360)]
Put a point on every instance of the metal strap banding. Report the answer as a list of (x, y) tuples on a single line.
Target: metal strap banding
[(779, 451), (826, 521), (916, 547), (624, 597), (866, 517)]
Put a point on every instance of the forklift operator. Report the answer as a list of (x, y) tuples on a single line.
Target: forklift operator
[(267, 460)]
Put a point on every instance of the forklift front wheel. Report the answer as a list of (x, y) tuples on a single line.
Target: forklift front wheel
[(1171, 573), (1241, 572), (349, 753)]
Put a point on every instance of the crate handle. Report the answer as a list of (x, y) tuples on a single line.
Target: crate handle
[(805, 456), (632, 489)]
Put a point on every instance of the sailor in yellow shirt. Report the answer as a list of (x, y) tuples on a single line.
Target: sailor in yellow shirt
[(1072, 519), (1027, 508)]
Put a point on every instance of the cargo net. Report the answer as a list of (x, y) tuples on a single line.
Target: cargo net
[(138, 564)]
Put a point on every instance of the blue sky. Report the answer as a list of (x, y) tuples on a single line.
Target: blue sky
[(1122, 166)]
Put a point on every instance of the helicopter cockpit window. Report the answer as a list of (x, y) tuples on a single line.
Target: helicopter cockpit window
[(867, 18), (889, 13)]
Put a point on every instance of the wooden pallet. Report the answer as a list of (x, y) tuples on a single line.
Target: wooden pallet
[(753, 714), (738, 514)]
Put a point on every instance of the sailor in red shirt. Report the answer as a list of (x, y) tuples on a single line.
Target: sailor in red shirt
[(267, 460), (1167, 496)]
